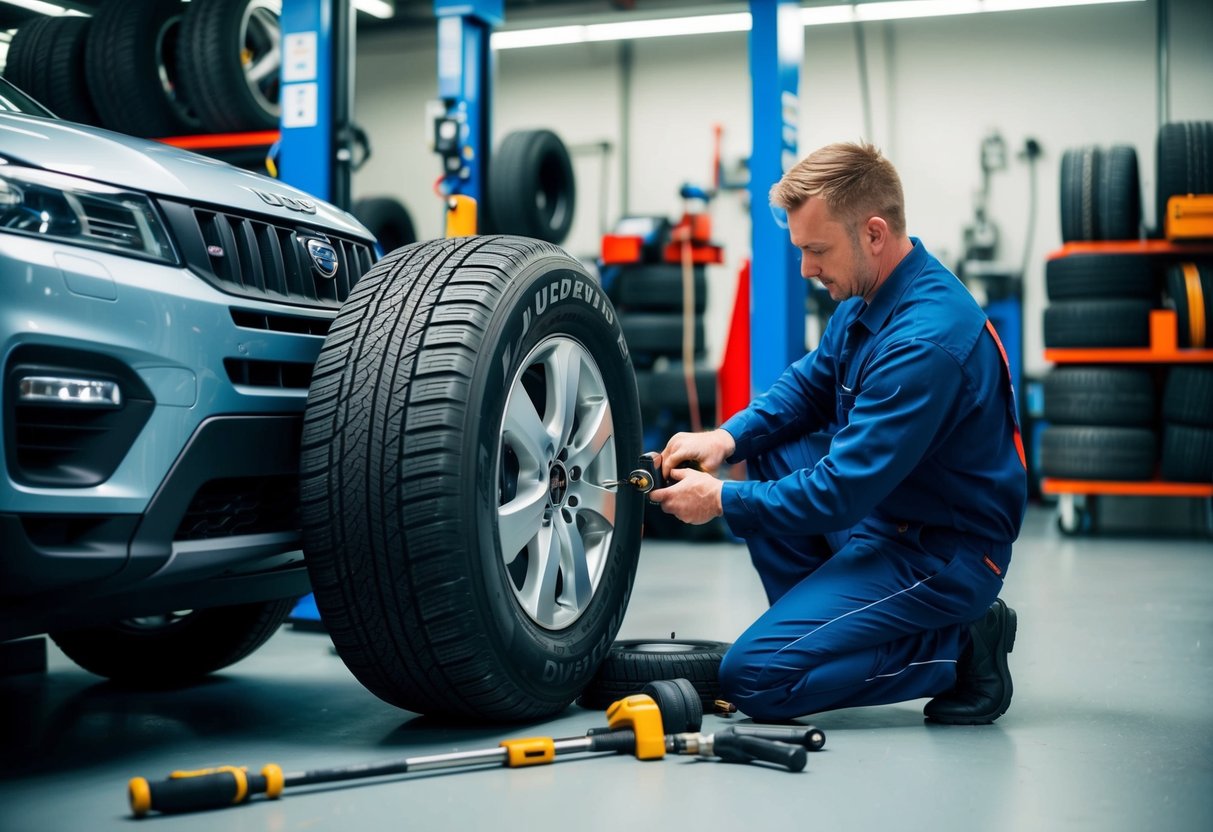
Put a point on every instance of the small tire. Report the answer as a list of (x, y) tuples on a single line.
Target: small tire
[(656, 334), (470, 398), (1188, 396), (1113, 396), (130, 60), (1190, 289), (156, 651), (531, 190), (387, 219), (1187, 454), (634, 663), (1118, 195), (1097, 323), (1080, 171), (1099, 276), (656, 288), (1098, 453)]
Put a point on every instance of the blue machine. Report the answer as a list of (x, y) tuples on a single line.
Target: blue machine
[(778, 293)]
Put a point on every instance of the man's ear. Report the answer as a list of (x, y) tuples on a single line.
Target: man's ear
[(876, 234)]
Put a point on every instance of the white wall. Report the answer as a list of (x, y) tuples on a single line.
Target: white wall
[(1065, 77)]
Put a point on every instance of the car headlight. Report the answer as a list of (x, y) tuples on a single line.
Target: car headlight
[(52, 206)]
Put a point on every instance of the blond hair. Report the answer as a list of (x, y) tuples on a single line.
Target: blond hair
[(854, 180)]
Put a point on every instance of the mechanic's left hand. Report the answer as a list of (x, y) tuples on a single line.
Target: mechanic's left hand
[(693, 498)]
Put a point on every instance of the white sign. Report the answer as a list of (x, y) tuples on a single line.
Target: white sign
[(299, 61), (299, 105)]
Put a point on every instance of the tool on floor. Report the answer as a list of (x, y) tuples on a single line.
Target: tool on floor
[(732, 747), (810, 737)]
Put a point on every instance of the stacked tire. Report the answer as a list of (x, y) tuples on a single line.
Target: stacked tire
[(1100, 194), (1184, 162), (1187, 433)]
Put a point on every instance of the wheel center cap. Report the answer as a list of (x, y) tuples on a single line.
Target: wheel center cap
[(558, 483)]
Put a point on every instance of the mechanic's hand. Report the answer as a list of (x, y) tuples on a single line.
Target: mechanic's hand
[(709, 448), (693, 497)]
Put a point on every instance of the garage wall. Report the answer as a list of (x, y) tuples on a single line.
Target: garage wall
[(1064, 77)]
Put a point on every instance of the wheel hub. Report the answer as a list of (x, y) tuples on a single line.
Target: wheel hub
[(558, 484)]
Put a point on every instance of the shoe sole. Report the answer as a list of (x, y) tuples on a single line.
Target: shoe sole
[(1010, 627)]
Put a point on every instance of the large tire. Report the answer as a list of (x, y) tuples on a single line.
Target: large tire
[(1188, 396), (387, 219), (1097, 323), (46, 59), (1098, 453), (1099, 276), (1112, 396), (1190, 288), (635, 663), (1184, 162), (174, 648), (131, 61), (1118, 195), (463, 556), (231, 63), (531, 186), (1187, 454)]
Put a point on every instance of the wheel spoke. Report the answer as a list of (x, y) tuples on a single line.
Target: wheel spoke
[(595, 499), (264, 66), (519, 520), (563, 366), (593, 434), (524, 430), (577, 586), (538, 593)]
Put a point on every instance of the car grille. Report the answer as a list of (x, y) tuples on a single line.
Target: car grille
[(241, 505), (254, 258)]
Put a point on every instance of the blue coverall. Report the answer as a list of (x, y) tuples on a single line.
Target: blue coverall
[(887, 485)]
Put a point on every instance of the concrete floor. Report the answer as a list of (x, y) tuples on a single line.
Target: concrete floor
[(1110, 728)]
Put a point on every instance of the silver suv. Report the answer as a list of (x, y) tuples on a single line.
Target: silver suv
[(161, 315)]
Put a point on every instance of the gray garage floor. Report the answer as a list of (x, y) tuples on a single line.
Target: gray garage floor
[(1110, 728)]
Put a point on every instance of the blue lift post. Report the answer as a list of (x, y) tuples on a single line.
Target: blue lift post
[(777, 305), (463, 131)]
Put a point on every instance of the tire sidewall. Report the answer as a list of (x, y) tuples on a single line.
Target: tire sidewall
[(550, 296)]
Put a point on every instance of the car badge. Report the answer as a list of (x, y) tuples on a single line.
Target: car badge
[(215, 251), (324, 257)]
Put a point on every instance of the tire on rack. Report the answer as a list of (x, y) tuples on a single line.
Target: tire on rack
[(657, 287), (632, 664), (230, 62), (1190, 288), (1097, 323), (470, 396), (1183, 162), (1099, 276), (130, 58), (1112, 396), (1187, 453), (176, 647), (1098, 453), (1188, 396), (1118, 195), (387, 219), (46, 59), (1079, 174), (654, 334), (531, 187)]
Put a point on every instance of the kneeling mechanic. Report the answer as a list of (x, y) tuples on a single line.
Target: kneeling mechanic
[(886, 474)]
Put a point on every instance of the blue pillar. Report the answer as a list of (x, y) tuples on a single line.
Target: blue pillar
[(465, 89), (306, 152), (777, 291)]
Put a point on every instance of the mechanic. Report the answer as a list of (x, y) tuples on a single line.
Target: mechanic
[(886, 474)]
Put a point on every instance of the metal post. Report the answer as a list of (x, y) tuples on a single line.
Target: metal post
[(306, 152), (778, 294), (1164, 68)]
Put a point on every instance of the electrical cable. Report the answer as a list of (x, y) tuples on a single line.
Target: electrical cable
[(1028, 239)]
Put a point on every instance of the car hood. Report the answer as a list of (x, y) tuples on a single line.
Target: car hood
[(159, 169)]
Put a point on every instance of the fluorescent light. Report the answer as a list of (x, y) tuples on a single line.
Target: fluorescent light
[(708, 24), (908, 9), (376, 8), (893, 10), (551, 36), (40, 7)]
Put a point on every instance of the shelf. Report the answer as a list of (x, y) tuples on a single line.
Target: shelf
[(1140, 488), (1178, 249), (1163, 349), (224, 141)]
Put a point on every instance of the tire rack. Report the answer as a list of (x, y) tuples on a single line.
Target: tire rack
[(1164, 349)]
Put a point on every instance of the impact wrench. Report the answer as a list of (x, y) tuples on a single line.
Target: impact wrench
[(646, 476), (635, 724)]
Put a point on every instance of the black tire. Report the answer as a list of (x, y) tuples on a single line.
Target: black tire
[(1188, 396), (656, 288), (1190, 288), (632, 664), (217, 37), (1097, 323), (172, 649), (387, 219), (655, 334), (1187, 454), (1118, 195), (130, 44), (1110, 396), (26, 65), (408, 457), (1099, 276), (531, 187), (665, 391), (1184, 162), (1098, 453), (1079, 174)]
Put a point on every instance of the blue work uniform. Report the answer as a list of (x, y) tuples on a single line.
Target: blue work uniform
[(887, 485)]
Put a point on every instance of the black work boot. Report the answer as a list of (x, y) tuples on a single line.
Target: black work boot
[(983, 680)]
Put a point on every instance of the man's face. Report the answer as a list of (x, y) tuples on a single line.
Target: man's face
[(830, 253)]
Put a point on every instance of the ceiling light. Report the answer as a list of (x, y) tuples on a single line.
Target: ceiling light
[(52, 9), (381, 9)]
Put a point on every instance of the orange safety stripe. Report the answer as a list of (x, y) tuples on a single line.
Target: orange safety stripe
[(1023, 458), (1196, 305)]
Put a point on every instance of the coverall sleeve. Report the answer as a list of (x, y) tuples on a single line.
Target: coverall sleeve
[(800, 401), (907, 396)]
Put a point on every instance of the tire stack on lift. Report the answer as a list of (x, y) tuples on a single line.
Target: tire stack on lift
[(1104, 419)]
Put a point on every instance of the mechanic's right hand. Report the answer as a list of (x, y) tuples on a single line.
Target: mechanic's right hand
[(709, 448)]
